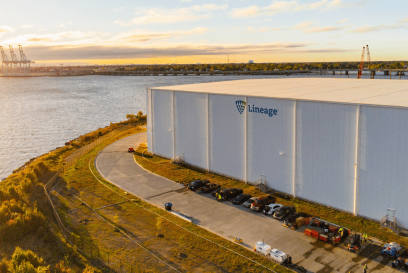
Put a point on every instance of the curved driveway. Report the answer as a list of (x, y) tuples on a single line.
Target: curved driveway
[(116, 165)]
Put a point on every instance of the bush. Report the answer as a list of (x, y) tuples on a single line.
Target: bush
[(91, 269), (24, 267), (17, 220), (20, 255), (26, 261)]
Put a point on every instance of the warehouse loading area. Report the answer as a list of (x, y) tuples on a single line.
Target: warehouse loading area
[(337, 142), (230, 221)]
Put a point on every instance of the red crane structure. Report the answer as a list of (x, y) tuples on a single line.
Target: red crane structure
[(360, 70)]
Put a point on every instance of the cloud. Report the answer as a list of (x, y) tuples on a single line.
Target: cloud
[(44, 53), (405, 20), (146, 36), (181, 1), (26, 26), (378, 28), (342, 21), (5, 29), (118, 9), (73, 37), (77, 38), (262, 29), (322, 29), (284, 6), (165, 16), (303, 25), (39, 39)]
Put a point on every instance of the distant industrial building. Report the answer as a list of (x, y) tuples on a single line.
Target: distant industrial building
[(338, 142)]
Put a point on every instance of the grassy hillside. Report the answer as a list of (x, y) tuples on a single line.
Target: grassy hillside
[(26, 221)]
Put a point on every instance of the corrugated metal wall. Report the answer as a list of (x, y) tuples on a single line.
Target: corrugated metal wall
[(227, 136), (191, 127), (163, 122), (212, 133), (326, 153), (149, 120), (271, 143), (383, 161)]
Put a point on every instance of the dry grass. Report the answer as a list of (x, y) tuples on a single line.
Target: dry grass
[(180, 247), (24, 188), (185, 174)]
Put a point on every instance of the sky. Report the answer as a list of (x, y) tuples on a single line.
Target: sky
[(84, 32)]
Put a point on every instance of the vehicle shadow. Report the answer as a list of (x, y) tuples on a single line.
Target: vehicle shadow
[(229, 203)]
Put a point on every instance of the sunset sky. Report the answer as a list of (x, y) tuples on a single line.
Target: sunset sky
[(191, 31)]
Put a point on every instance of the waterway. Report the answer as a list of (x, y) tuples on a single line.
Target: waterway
[(39, 114)]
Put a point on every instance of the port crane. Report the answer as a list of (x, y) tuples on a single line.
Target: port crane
[(14, 62), (5, 62), (15, 67), (26, 63)]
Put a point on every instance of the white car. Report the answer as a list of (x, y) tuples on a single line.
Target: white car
[(271, 208), (248, 202)]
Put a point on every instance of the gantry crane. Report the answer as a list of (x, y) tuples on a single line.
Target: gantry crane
[(5, 63), (26, 63), (14, 62)]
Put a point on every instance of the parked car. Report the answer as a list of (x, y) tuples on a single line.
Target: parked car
[(209, 187), (217, 191), (241, 199), (130, 149), (284, 212), (228, 194), (259, 204), (271, 208), (248, 202), (197, 184)]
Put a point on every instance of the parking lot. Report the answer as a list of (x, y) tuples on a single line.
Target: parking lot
[(228, 220)]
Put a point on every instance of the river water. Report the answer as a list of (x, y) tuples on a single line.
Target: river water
[(40, 114)]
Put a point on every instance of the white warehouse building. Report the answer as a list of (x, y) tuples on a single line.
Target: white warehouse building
[(338, 142)]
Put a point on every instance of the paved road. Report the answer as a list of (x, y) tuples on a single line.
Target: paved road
[(225, 219)]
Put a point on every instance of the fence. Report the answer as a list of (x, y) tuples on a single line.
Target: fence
[(87, 247)]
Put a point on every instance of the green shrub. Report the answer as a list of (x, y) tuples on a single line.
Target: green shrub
[(17, 220), (26, 261), (20, 255), (24, 267), (91, 269)]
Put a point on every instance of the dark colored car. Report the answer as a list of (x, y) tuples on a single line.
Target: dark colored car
[(197, 184), (217, 191), (209, 187), (259, 204), (241, 199), (228, 194), (284, 212)]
